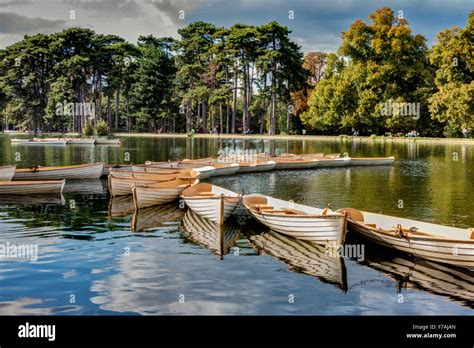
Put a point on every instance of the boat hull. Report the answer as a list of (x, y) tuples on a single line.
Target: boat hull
[(206, 171), (321, 230), (123, 186), (210, 208), (296, 164), (31, 187), (453, 252), (333, 162), (259, 167), (149, 196), (42, 143), (87, 171), (297, 220)]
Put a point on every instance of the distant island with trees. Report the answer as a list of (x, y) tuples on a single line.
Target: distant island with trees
[(247, 79)]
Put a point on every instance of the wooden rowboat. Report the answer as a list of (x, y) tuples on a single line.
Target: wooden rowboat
[(31, 187), (438, 243), (86, 186), (148, 169), (148, 195), (206, 171), (293, 162), (120, 173), (301, 256), (219, 239), (81, 171), (210, 201), (334, 162), (320, 226), (220, 169), (371, 161), (256, 166), (7, 172), (43, 142), (122, 185)]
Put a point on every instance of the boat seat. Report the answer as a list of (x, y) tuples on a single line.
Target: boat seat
[(262, 206), (294, 211), (371, 225)]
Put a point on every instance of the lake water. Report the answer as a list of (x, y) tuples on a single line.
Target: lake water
[(97, 256)]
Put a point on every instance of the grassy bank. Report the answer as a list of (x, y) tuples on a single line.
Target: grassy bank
[(335, 138)]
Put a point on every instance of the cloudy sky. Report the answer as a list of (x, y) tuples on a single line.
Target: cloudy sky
[(317, 24)]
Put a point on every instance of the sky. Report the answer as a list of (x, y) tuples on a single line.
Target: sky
[(316, 24)]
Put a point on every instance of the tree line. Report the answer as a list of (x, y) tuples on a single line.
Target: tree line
[(241, 79)]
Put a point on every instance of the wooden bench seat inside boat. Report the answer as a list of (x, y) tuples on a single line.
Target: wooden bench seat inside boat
[(258, 206), (199, 190), (206, 194)]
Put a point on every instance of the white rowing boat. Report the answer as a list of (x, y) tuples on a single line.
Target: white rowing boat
[(372, 161), (439, 243), (220, 169), (210, 201), (219, 239), (73, 172), (7, 172), (148, 195), (256, 166), (122, 184), (86, 186), (31, 187), (296, 220), (206, 171), (334, 162), (107, 168), (296, 162), (121, 173), (302, 256)]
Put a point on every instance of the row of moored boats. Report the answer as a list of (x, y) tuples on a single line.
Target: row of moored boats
[(155, 183)]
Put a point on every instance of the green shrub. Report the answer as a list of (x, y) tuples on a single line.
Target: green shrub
[(373, 136), (101, 128), (88, 130)]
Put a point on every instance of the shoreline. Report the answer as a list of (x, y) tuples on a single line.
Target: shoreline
[(334, 138)]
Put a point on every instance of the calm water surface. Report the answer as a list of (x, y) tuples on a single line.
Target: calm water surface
[(97, 256)]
